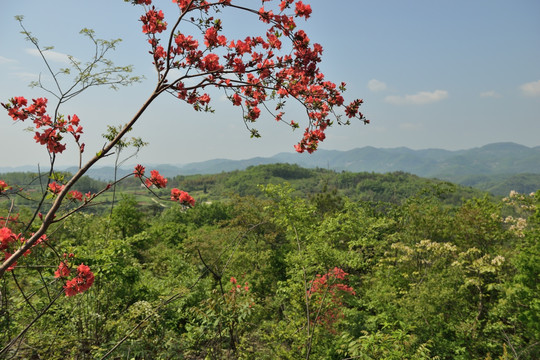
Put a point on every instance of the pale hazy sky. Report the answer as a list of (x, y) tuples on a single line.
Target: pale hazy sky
[(433, 74)]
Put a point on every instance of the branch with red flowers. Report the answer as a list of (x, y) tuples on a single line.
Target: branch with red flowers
[(255, 72), (252, 68)]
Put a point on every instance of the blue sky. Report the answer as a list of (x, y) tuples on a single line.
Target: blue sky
[(433, 74)]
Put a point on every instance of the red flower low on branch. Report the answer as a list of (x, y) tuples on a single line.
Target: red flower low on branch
[(139, 171), (156, 179), (327, 292), (6, 237), (62, 271), (55, 188), (75, 195), (4, 186), (80, 283), (182, 197)]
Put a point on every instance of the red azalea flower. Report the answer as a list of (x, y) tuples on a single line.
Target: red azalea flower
[(182, 197), (76, 195), (204, 99), (156, 179), (6, 237), (139, 171), (62, 271), (80, 283), (236, 100), (71, 287), (4, 186), (302, 10), (153, 22), (55, 188), (211, 63)]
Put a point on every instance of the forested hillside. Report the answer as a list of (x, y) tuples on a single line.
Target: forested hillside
[(281, 262), (497, 168), (390, 187)]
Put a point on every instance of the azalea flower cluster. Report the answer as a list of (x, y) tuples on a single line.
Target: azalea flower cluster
[(327, 282), (153, 21), (237, 287), (54, 188), (6, 237), (80, 283), (51, 133), (157, 180), (327, 291), (250, 70), (10, 240), (182, 197), (238, 301), (4, 186)]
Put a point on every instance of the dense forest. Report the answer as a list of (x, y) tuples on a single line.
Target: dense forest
[(280, 262)]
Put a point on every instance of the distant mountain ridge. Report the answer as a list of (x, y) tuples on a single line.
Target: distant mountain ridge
[(493, 159)]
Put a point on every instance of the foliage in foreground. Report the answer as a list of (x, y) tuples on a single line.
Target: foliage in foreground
[(288, 277)]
